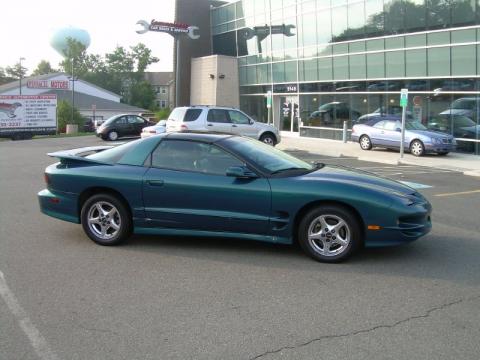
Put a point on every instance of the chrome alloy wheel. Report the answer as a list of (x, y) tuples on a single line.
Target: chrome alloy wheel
[(417, 148), (268, 140), (365, 143), (104, 220), (329, 235)]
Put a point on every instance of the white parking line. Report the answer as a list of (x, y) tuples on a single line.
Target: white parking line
[(37, 341)]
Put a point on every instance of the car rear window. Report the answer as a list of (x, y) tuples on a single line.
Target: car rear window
[(113, 155), (184, 114), (192, 115)]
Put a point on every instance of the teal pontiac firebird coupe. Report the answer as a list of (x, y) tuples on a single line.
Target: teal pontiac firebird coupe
[(229, 186)]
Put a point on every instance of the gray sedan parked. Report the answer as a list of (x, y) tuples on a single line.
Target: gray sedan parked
[(386, 132)]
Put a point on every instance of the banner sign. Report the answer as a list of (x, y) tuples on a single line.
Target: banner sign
[(28, 113), (169, 28), (172, 28), (48, 84)]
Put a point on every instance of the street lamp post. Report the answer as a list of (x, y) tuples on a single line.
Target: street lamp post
[(72, 79), (20, 74)]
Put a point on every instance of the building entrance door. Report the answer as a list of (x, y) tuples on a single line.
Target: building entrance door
[(289, 112)]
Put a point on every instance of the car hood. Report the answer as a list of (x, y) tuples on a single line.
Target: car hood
[(464, 112), (475, 129), (341, 174), (264, 126), (431, 134)]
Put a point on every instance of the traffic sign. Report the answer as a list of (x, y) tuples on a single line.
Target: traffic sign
[(269, 99), (403, 97)]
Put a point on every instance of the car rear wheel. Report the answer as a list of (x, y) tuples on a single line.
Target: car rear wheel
[(329, 233), (417, 148), (112, 135), (365, 142), (268, 139), (106, 220)]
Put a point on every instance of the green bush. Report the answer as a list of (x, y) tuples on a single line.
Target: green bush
[(162, 114), (64, 116)]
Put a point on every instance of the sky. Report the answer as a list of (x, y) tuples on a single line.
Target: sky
[(26, 27)]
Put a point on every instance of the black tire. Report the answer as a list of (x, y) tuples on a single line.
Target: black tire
[(365, 142), (120, 218), (443, 153), (350, 233), (112, 135), (268, 139), (417, 148)]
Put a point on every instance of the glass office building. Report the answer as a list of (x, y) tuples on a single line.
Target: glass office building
[(330, 61)]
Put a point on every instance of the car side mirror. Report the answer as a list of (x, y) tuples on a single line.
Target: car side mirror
[(241, 172), (251, 122), (398, 129)]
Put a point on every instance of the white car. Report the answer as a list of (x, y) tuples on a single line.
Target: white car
[(223, 120), (158, 128)]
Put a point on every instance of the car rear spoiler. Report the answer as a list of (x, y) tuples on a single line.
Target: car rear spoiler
[(79, 155)]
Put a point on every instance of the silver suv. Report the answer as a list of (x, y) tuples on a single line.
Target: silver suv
[(221, 119)]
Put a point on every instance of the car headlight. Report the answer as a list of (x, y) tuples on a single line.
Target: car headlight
[(436, 141)]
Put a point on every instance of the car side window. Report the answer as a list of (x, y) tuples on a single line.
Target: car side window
[(218, 116), (193, 156), (135, 120), (238, 118), (390, 125), (121, 121), (379, 125)]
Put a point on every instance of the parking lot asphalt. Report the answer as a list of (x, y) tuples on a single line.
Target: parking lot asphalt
[(63, 297)]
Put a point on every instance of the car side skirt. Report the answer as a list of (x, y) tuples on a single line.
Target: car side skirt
[(203, 233)]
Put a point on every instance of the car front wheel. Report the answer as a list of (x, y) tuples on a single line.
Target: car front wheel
[(105, 219), (268, 139), (329, 233), (112, 135), (365, 142), (417, 148)]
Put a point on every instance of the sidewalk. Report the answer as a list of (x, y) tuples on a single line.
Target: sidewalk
[(467, 164)]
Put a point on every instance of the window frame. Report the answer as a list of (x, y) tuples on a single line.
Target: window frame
[(149, 161)]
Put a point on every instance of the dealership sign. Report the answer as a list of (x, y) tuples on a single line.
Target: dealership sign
[(28, 113), (48, 84), (173, 29)]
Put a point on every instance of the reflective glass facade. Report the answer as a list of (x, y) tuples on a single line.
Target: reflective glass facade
[(351, 58)]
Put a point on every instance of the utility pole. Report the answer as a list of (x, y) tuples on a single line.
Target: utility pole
[(20, 74)]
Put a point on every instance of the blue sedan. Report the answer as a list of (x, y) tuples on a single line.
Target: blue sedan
[(385, 131), (201, 184)]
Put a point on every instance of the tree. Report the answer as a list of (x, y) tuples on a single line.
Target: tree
[(64, 116), (16, 71), (75, 54), (3, 77), (142, 95), (43, 68), (121, 71)]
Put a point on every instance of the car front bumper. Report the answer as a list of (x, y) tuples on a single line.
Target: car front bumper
[(409, 224)]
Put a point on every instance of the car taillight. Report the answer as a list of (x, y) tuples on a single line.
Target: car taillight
[(152, 132), (183, 127), (47, 178)]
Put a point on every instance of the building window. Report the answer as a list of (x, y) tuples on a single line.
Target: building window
[(164, 90), (163, 104)]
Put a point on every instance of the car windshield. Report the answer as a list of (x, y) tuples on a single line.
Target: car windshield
[(467, 104), (266, 157), (414, 125), (327, 106), (113, 155)]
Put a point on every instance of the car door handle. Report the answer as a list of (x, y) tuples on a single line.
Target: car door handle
[(234, 125), (155, 182), (209, 124)]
